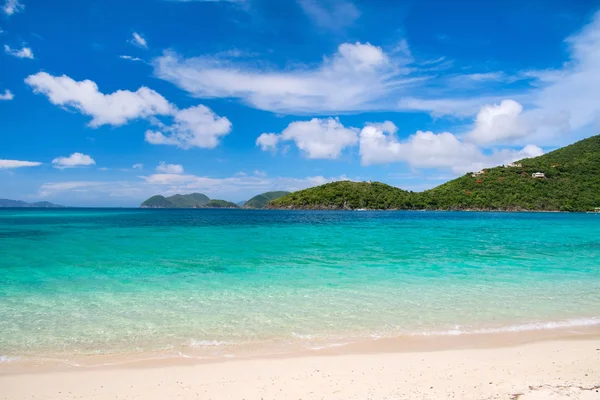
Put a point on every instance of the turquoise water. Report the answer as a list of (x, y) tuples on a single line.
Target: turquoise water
[(102, 281)]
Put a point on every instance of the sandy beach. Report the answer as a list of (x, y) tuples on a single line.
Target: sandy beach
[(565, 369)]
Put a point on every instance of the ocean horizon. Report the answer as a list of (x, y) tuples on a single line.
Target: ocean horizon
[(78, 282)]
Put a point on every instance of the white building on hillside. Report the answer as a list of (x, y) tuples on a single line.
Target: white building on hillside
[(538, 175)]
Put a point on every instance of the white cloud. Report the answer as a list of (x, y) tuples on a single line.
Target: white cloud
[(11, 7), (459, 107), (317, 138), (138, 40), (330, 14), (138, 166), (7, 95), (113, 109), (267, 141), (499, 122), (559, 104), (130, 58), (25, 52), (359, 76), (196, 126), (231, 188), (74, 160), (6, 164), (165, 168), (430, 150), (208, 1)]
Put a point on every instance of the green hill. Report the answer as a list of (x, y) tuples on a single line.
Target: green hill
[(345, 195), (262, 200), (570, 182), (221, 204), (23, 204), (193, 200)]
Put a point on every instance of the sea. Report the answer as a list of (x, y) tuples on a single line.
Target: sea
[(77, 283)]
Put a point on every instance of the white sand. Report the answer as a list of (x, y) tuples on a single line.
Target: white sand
[(545, 370)]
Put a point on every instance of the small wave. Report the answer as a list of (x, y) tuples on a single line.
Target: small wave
[(303, 335), (328, 346), (7, 359), (207, 343), (533, 326)]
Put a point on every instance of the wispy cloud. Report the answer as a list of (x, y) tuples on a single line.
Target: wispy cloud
[(130, 58), (359, 76), (24, 52), (11, 7), (238, 186), (330, 14), (138, 40), (9, 164)]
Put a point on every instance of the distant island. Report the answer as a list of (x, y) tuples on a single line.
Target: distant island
[(6, 203), (193, 200), (567, 179), (199, 200)]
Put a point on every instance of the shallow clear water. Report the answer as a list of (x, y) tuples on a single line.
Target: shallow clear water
[(108, 281)]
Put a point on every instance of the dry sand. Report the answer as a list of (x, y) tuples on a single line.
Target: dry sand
[(566, 369)]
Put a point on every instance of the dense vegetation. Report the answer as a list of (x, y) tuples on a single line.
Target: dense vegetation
[(193, 200), (345, 195), (23, 204), (221, 204), (571, 183), (262, 200)]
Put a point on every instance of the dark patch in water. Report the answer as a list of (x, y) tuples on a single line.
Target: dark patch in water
[(34, 234)]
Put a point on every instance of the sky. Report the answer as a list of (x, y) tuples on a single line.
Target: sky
[(105, 102)]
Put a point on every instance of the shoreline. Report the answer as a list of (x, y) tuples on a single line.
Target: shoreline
[(214, 354), (552, 369)]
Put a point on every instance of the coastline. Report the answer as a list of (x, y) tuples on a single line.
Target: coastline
[(554, 369)]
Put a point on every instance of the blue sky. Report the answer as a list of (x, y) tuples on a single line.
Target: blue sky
[(104, 103)]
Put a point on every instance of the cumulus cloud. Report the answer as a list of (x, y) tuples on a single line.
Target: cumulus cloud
[(73, 161), (196, 126), (317, 138), (357, 77), (267, 141), (113, 109), (24, 52), (498, 122), (430, 150), (330, 14), (558, 103), (11, 7), (6, 164), (138, 40), (7, 95), (165, 168)]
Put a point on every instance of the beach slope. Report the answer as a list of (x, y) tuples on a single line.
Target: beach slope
[(568, 369)]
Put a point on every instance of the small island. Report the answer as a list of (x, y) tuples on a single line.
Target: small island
[(8, 203), (192, 200)]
